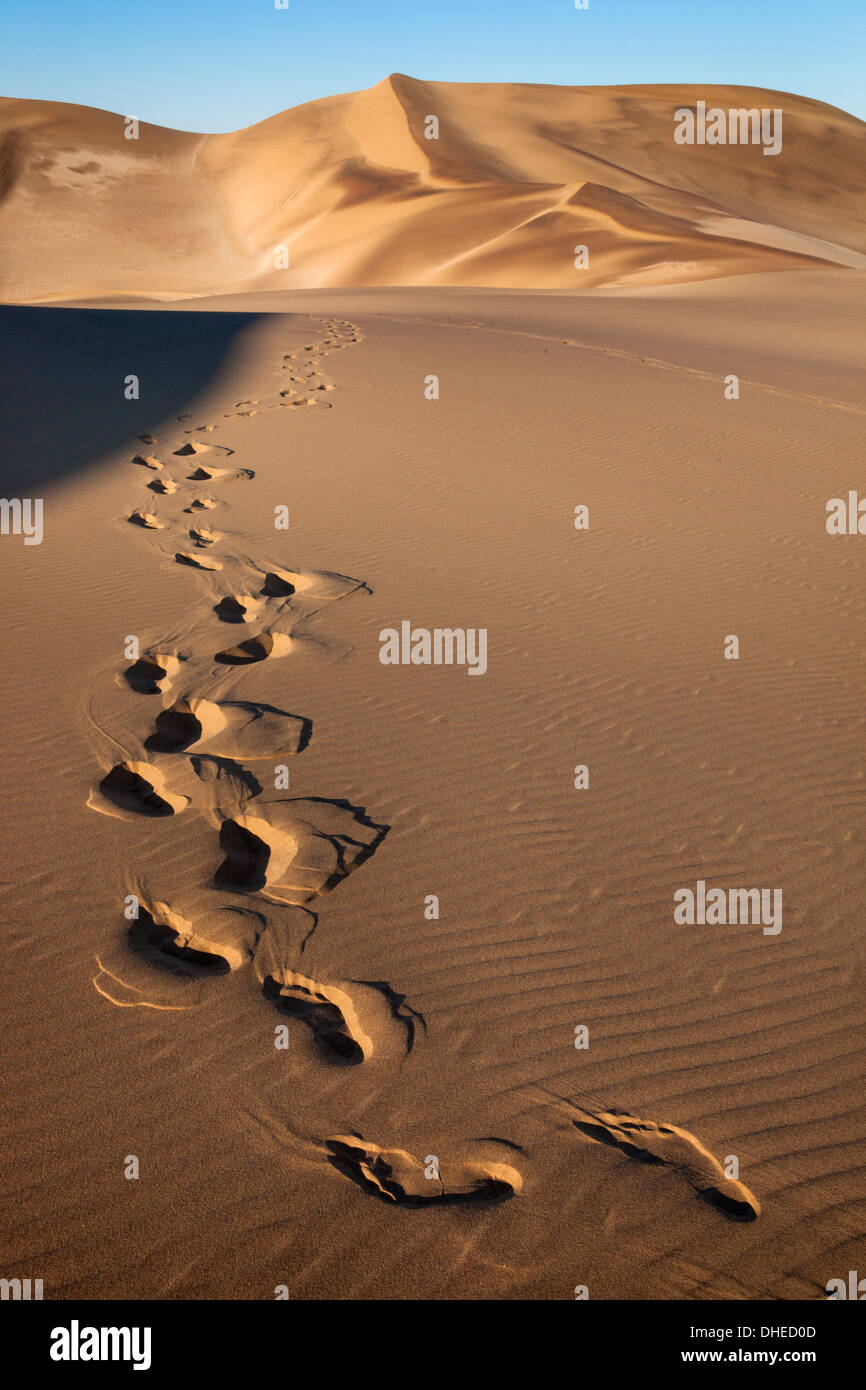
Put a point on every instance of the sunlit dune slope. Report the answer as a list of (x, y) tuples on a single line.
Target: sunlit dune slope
[(350, 191)]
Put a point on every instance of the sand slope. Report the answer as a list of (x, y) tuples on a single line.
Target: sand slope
[(413, 1037), (519, 176)]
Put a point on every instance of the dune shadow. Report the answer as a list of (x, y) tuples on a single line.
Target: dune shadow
[(62, 396)]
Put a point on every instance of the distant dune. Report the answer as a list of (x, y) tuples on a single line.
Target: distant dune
[(519, 176)]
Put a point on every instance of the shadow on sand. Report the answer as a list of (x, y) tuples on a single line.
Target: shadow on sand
[(62, 402)]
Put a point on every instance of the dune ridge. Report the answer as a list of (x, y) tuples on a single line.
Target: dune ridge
[(349, 191)]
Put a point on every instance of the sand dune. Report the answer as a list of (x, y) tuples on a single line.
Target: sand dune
[(226, 819), (354, 194)]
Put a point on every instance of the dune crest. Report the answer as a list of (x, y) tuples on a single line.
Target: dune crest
[(351, 190)]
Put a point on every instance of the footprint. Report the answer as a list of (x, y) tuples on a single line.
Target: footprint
[(147, 438), (350, 1019), (237, 608), (674, 1148), (234, 729), (163, 485), (199, 562), (253, 849), (255, 649), (220, 941), (135, 789), (282, 583), (397, 1176), (208, 474), (202, 536), (152, 672), (183, 724), (148, 520), (192, 447), (201, 504), (328, 1011), (292, 850), (147, 461)]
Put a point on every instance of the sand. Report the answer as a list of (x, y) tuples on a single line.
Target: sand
[(278, 809), (350, 190)]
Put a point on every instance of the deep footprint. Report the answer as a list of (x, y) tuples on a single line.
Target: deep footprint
[(675, 1148), (237, 608), (147, 674), (294, 849), (223, 941), (393, 1175), (137, 789), (278, 585), (206, 473), (255, 649), (163, 945), (199, 562), (233, 729), (326, 1011)]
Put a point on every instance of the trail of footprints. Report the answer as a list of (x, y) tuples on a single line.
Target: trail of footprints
[(202, 752), (200, 757)]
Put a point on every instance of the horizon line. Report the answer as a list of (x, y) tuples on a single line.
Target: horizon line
[(331, 96)]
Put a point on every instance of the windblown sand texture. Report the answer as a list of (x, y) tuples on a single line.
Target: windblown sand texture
[(226, 833)]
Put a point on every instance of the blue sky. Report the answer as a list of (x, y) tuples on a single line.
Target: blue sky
[(221, 64)]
